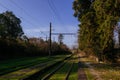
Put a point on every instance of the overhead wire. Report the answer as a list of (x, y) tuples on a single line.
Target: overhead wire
[(2, 5), (54, 10), (57, 13), (18, 6)]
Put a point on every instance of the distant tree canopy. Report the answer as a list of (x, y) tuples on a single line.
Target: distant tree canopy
[(13, 42), (10, 26), (98, 19), (60, 39)]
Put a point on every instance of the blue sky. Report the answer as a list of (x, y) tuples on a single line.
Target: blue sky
[(37, 14)]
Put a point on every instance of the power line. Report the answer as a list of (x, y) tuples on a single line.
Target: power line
[(52, 3), (64, 33), (13, 2), (54, 10), (28, 21), (19, 16), (51, 7)]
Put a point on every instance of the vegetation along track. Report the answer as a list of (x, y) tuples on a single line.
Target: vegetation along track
[(48, 71), (64, 71), (55, 69), (8, 66), (23, 73)]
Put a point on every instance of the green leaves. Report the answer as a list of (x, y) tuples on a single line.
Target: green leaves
[(98, 19), (10, 26), (81, 7)]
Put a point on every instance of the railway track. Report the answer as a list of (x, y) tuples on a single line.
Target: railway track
[(63, 72), (20, 66), (67, 76), (45, 70), (26, 72), (49, 72)]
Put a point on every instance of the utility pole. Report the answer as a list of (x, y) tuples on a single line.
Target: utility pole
[(50, 38)]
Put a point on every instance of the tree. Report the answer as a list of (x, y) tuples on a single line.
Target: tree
[(86, 15), (108, 14), (10, 26), (118, 31), (60, 38), (98, 19)]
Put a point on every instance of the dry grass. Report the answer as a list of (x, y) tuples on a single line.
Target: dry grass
[(103, 71), (108, 72)]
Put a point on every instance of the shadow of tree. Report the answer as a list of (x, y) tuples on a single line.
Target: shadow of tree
[(106, 66)]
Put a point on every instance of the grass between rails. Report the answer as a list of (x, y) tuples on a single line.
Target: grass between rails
[(74, 72), (9, 66), (62, 72), (37, 75), (22, 73), (48, 72), (16, 64)]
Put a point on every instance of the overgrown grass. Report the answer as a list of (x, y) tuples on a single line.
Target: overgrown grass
[(48, 72), (62, 72), (20, 74), (16, 75), (10, 66), (52, 69), (16, 64), (86, 60), (108, 72), (105, 71), (89, 75), (74, 72)]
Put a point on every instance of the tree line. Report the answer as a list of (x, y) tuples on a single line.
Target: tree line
[(98, 21), (14, 43)]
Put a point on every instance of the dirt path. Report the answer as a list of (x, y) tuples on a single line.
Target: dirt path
[(81, 72), (93, 72), (86, 64)]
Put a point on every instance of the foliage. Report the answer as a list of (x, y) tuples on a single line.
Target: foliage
[(98, 19), (13, 42), (60, 38), (18, 48), (10, 26)]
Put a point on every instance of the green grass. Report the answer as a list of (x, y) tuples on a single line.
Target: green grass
[(87, 70), (16, 75), (62, 72), (105, 71), (108, 72), (16, 64), (20, 63), (47, 72), (30, 71), (74, 71), (89, 75)]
